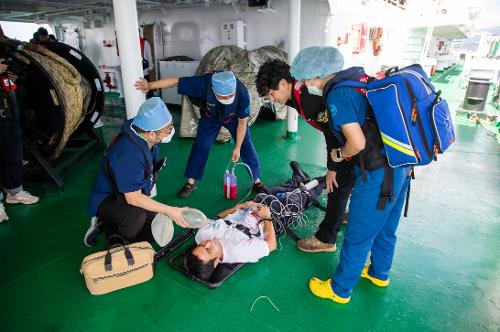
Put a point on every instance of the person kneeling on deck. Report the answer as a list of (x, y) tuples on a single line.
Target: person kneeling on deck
[(242, 234), (223, 102), (120, 197)]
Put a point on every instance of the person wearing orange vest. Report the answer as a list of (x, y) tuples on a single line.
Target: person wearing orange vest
[(275, 82)]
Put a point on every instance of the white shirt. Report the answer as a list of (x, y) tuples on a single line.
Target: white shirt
[(148, 56), (237, 247)]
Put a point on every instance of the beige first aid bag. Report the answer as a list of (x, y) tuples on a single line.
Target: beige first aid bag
[(119, 267)]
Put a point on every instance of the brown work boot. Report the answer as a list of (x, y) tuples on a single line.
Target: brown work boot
[(186, 190), (312, 244)]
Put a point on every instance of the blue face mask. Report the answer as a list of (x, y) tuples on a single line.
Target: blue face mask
[(314, 90)]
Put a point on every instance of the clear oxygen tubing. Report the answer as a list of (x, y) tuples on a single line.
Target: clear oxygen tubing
[(291, 209)]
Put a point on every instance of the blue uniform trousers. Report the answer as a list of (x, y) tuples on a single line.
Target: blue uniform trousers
[(370, 229), (208, 129)]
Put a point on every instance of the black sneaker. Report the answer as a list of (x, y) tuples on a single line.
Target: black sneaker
[(297, 170), (92, 232), (259, 187), (186, 190)]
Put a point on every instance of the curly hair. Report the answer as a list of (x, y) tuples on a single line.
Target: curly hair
[(270, 74)]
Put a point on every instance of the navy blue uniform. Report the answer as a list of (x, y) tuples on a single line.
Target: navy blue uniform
[(131, 166), (215, 115)]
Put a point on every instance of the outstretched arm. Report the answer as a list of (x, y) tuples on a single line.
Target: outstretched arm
[(145, 86), (241, 131), (244, 205), (137, 198)]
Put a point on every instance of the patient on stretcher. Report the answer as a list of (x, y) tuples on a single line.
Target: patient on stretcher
[(242, 234), (245, 233)]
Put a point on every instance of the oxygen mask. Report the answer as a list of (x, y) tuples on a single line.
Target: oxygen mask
[(194, 218)]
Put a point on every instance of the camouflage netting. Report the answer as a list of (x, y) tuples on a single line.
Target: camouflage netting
[(245, 65), (73, 89)]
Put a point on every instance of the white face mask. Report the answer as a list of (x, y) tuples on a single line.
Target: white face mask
[(314, 90), (226, 101), (168, 138)]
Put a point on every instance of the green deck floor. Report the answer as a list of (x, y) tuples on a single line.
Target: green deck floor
[(445, 277)]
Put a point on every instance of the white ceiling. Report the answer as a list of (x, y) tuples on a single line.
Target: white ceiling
[(51, 10)]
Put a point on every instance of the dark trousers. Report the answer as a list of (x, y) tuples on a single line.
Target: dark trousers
[(337, 201), (295, 200), (149, 94), (208, 129), (11, 154), (130, 222), (294, 183)]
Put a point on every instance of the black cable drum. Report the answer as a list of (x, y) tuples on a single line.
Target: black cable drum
[(43, 116), (87, 69), (42, 113)]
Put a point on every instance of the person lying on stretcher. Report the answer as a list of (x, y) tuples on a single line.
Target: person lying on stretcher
[(242, 234), (245, 233)]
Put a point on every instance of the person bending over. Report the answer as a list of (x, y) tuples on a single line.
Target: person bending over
[(275, 82), (224, 102)]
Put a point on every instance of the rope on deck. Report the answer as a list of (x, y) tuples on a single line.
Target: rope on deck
[(263, 297)]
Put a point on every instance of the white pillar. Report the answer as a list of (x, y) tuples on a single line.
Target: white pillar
[(127, 32), (427, 42), (293, 49)]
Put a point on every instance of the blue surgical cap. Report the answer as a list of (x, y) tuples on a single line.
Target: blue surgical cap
[(153, 115), (316, 61), (224, 83)]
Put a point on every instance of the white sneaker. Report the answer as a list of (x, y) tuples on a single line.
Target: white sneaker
[(23, 197), (3, 214)]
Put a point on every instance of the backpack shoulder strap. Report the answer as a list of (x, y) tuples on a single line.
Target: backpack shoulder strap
[(297, 90), (350, 84)]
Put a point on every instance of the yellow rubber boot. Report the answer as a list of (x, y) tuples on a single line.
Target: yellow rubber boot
[(375, 281), (324, 290)]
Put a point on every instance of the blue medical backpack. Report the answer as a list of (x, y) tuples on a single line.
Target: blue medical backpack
[(413, 120)]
